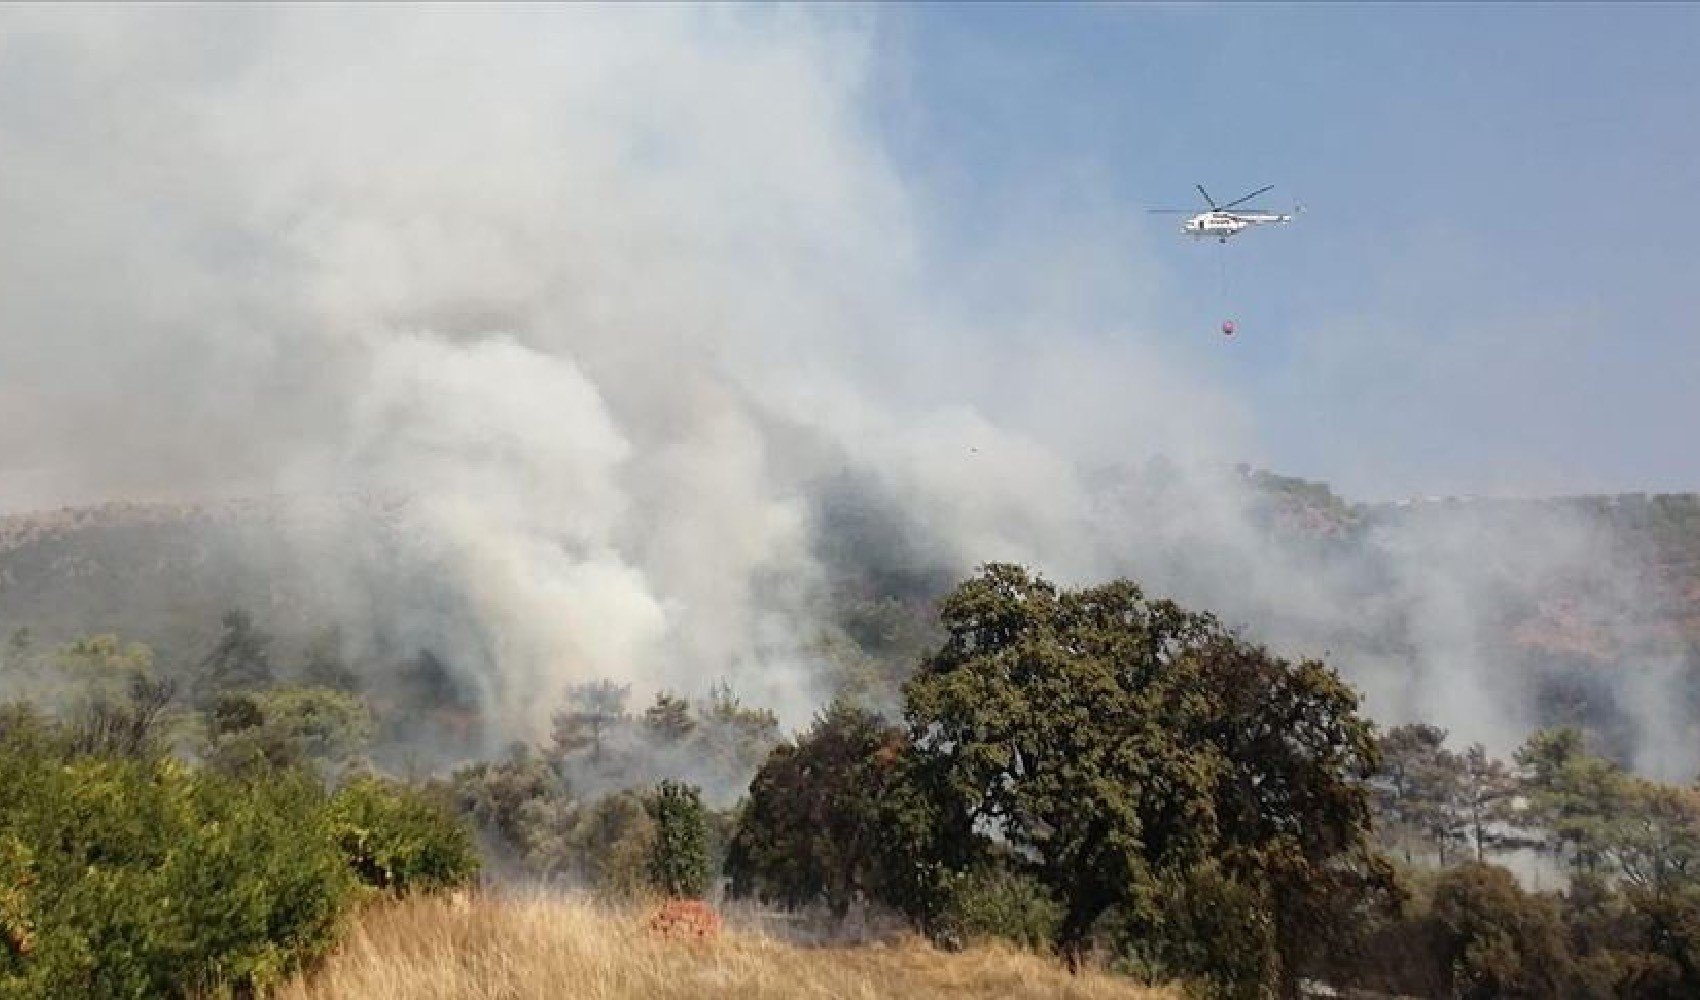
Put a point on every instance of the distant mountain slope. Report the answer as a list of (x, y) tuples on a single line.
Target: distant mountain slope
[(1578, 609)]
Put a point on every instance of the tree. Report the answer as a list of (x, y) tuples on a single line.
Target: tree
[(324, 665), (734, 733), (1572, 794), (239, 661), (668, 722), (498, 796), (1486, 791), (678, 865), (287, 726), (400, 838), (130, 727), (595, 708), (325, 724), (1417, 788), (1655, 842), (615, 840), (1498, 941), (813, 826), (1107, 738)]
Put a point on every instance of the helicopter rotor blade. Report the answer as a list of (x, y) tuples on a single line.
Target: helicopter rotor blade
[(1242, 201), (1172, 211), (1207, 199)]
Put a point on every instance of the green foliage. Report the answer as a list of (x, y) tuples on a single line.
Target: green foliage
[(135, 874), (1654, 842), (996, 901), (1431, 797), (132, 725), (401, 838), (103, 663), (1571, 793), (320, 723), (679, 863), (1200, 926), (614, 842), (285, 727), (814, 822), (1486, 792), (133, 877), (1416, 790), (565, 811), (668, 722), (1103, 736), (504, 797), (1606, 821), (1499, 942), (732, 733)]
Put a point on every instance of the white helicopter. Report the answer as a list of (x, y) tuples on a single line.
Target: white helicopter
[(1223, 221)]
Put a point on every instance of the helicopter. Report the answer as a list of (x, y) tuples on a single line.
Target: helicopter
[(1223, 221)]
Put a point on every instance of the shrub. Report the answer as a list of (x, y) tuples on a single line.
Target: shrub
[(679, 863), (399, 838), (1200, 926), (615, 842), (126, 876), (284, 727), (995, 902), (1497, 940), (134, 877)]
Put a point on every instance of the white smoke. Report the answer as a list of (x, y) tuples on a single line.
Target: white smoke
[(602, 299)]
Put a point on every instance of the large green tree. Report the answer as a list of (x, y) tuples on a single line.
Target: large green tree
[(1110, 740)]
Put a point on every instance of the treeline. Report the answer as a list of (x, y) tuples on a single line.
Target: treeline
[(1625, 849)]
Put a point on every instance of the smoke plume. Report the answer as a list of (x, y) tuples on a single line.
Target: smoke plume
[(574, 339)]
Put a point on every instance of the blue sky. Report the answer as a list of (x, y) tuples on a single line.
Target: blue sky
[(1494, 287)]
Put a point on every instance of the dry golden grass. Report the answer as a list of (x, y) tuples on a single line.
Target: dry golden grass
[(485, 948)]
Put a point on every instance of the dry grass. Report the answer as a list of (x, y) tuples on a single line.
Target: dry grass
[(485, 948)]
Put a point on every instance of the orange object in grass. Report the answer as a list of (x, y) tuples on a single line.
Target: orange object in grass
[(689, 919)]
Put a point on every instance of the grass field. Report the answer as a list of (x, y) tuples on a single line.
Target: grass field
[(489, 947)]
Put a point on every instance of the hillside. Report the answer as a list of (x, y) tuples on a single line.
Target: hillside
[(1579, 610), (436, 949)]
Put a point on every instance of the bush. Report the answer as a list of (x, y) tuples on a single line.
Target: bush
[(401, 839), (285, 727), (124, 876), (1201, 927), (614, 842), (1497, 940), (679, 865), (994, 902), (143, 878)]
